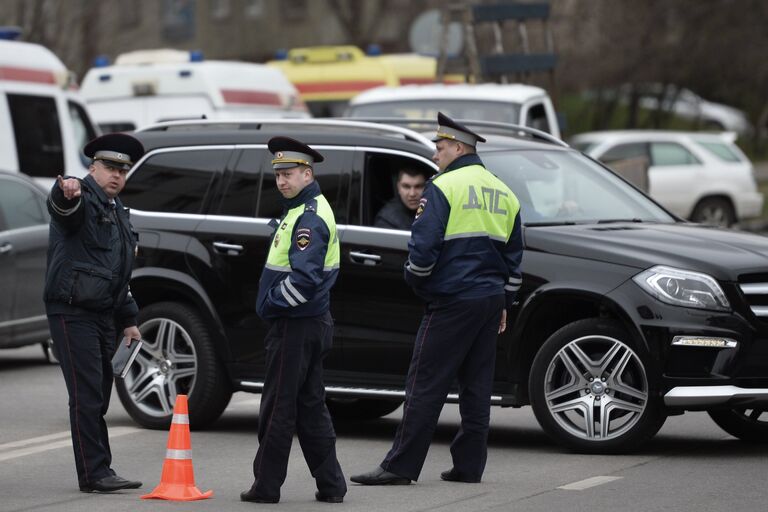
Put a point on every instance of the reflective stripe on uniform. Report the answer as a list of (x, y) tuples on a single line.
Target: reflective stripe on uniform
[(421, 269), (298, 296), (413, 269), (278, 268), (64, 212), (475, 234), (178, 454), (286, 295)]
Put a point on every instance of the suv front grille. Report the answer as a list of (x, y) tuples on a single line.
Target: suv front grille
[(755, 290)]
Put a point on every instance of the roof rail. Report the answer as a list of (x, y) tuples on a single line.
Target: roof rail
[(493, 127), (289, 123)]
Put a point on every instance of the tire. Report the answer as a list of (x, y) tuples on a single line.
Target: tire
[(177, 357), (750, 425), (360, 408), (714, 211), (590, 369)]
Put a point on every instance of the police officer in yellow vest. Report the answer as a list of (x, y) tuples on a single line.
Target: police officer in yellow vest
[(464, 261), (293, 297)]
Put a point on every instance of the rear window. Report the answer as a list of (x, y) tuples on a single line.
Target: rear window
[(721, 150)]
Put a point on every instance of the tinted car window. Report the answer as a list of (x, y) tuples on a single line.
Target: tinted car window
[(175, 181), (668, 153), (38, 137), (328, 175), (20, 205), (242, 194)]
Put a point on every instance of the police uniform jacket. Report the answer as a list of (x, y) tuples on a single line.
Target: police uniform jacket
[(91, 248), (303, 260), (466, 241)]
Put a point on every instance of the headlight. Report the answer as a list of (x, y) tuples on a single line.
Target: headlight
[(683, 288)]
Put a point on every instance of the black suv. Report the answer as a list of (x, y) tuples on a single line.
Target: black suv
[(626, 314)]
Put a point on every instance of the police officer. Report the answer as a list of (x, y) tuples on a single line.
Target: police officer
[(294, 297), (465, 253), (90, 256)]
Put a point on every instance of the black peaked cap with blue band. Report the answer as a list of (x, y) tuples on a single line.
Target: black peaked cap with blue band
[(290, 152), (115, 149), (449, 129)]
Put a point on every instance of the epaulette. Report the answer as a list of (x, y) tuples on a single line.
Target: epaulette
[(311, 206)]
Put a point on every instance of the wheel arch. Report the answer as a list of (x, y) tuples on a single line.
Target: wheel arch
[(550, 310), (714, 195), (150, 285)]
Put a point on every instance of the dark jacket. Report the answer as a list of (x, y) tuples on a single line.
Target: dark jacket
[(468, 266), (394, 215), (91, 247)]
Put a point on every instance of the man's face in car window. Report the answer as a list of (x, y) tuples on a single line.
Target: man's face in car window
[(410, 189)]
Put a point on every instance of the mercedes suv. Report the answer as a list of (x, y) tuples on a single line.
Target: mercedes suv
[(626, 315)]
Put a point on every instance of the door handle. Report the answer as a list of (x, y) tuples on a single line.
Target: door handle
[(229, 249), (6, 248), (364, 258)]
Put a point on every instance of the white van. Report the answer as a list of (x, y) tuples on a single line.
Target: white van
[(519, 104), (150, 86), (43, 121)]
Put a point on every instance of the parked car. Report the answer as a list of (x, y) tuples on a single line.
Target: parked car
[(525, 105), (23, 246), (626, 314), (703, 177)]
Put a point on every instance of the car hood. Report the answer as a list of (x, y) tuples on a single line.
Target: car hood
[(721, 253)]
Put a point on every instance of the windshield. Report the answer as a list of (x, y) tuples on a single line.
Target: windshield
[(428, 109), (565, 187)]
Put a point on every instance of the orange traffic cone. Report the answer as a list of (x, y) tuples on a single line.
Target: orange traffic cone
[(178, 480)]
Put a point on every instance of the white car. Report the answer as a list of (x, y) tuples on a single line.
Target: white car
[(699, 176), (519, 104)]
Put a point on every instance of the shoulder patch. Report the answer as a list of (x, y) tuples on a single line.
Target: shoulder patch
[(420, 209), (303, 238)]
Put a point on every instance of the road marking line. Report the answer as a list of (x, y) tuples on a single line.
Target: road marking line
[(589, 482), (34, 440), (23, 452)]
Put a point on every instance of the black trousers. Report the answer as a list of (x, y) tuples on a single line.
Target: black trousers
[(455, 341), (84, 345), (293, 401)]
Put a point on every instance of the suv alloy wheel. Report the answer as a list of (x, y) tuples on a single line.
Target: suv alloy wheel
[(591, 391), (177, 358)]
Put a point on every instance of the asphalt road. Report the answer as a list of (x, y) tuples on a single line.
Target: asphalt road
[(691, 465)]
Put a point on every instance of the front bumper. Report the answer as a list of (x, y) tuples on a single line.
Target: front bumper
[(699, 376), (704, 397)]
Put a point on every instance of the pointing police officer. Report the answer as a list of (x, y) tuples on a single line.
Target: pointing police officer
[(464, 261), (294, 295), (90, 257)]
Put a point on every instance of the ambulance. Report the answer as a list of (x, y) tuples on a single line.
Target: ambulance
[(329, 76), (44, 122), (150, 86)]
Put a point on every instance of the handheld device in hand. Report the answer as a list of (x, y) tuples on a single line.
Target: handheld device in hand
[(124, 357)]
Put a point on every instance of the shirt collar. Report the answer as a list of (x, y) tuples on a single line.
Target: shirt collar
[(307, 193)]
